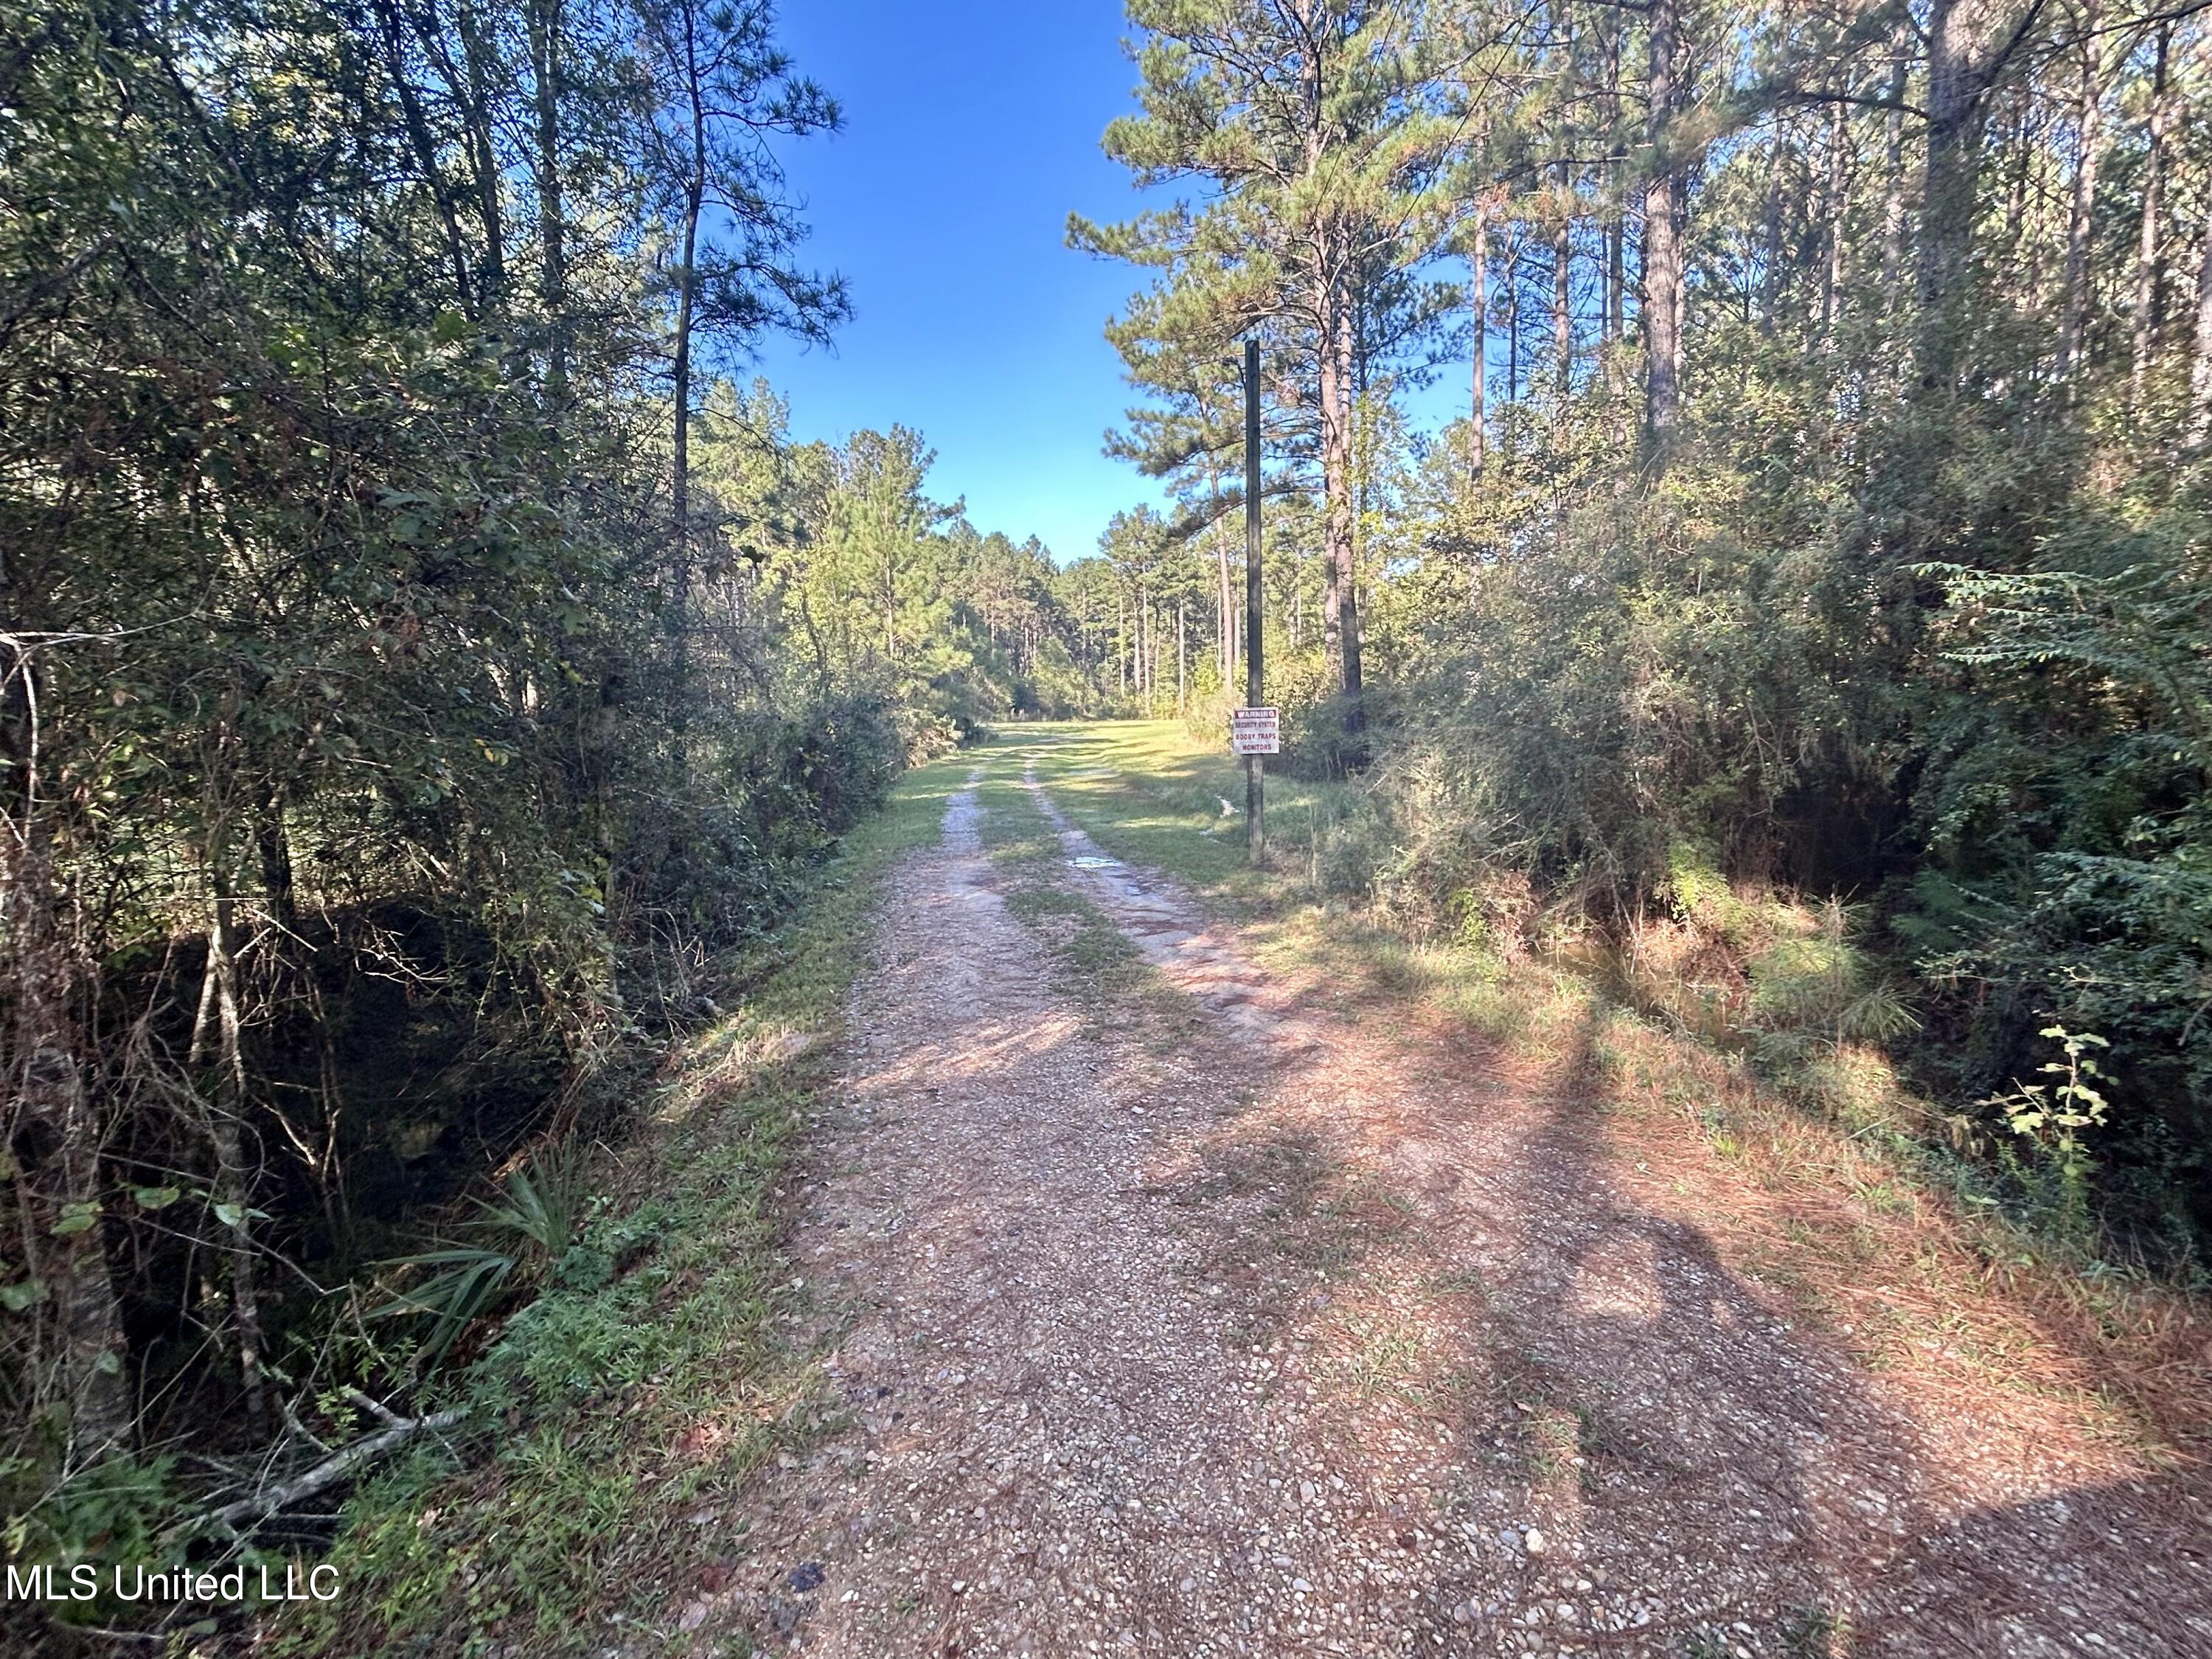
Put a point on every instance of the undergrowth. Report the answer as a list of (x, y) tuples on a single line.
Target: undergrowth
[(622, 1410)]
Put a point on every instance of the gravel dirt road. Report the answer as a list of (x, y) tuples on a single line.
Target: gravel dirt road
[(1204, 1322)]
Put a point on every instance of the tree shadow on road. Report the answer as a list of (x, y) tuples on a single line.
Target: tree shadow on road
[(1742, 1479)]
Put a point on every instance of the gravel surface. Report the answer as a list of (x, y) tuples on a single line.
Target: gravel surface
[(1288, 1336)]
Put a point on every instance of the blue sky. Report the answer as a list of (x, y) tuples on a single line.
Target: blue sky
[(971, 133)]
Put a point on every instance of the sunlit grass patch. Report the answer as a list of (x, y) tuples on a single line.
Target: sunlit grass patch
[(1013, 829), (1152, 792)]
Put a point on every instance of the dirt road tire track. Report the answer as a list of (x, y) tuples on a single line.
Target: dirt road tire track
[(1280, 1342)]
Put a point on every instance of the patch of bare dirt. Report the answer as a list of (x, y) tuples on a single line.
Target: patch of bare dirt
[(1304, 1338)]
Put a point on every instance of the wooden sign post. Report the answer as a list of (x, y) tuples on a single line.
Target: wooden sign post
[(1255, 787)]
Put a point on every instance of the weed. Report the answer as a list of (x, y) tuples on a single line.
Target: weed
[(1816, 1633), (2052, 1117), (1384, 1360)]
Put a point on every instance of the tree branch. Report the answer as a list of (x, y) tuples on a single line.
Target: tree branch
[(335, 1468)]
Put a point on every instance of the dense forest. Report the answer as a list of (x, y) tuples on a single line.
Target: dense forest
[(426, 645), (1823, 535)]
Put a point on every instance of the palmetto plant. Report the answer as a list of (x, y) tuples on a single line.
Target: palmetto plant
[(530, 1227)]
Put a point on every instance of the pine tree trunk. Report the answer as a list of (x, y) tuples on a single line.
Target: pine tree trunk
[(1834, 211), (1616, 264), (1660, 302), (1477, 260), (1951, 187), (2200, 367), (1892, 186), (1150, 624), (277, 881), (426, 148), (1770, 274), (1340, 605), (545, 25), (678, 622), (1334, 481), (1614, 312), (1512, 280), (2073, 303), (1145, 680), (1137, 680), (1563, 317), (1182, 658), (1682, 279), (2150, 277)]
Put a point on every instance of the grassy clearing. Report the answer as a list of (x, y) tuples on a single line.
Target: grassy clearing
[(616, 1419), (1833, 1187), (1098, 965), (1148, 791)]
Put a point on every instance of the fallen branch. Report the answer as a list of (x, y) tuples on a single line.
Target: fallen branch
[(376, 1408), (335, 1468)]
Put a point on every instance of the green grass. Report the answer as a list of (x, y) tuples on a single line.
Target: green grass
[(1097, 964), (1095, 955), (1015, 834), (1385, 1361), (1151, 792), (649, 1382)]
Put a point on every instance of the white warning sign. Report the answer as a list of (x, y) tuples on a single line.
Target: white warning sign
[(1256, 731)]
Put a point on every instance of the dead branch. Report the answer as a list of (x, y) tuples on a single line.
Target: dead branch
[(335, 1468)]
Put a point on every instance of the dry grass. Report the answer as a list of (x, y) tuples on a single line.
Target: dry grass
[(1905, 1267), (1828, 1189)]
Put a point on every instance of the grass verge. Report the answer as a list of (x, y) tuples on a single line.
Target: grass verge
[(615, 1421)]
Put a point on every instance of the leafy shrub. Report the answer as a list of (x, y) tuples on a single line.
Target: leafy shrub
[(1317, 740)]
